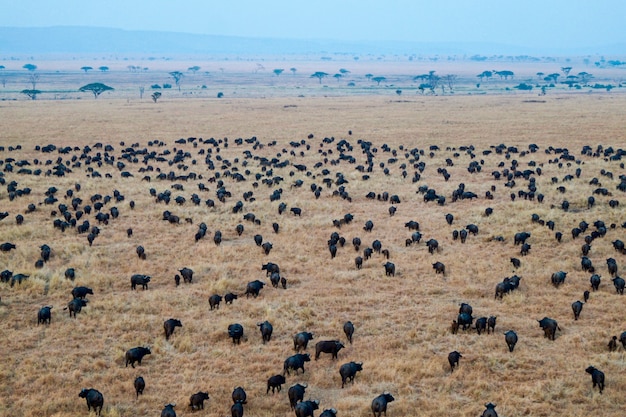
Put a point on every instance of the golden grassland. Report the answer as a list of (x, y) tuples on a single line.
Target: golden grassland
[(402, 323)]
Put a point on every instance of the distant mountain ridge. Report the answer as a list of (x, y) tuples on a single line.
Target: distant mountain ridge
[(96, 40)]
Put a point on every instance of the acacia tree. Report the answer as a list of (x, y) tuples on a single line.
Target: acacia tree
[(103, 68), (194, 69), (293, 70), (566, 70), (31, 93), (378, 79), (278, 71), (319, 75), (30, 67), (176, 75), (86, 69), (95, 88), (156, 95)]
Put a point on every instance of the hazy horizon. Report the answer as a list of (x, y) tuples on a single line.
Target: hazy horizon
[(556, 25)]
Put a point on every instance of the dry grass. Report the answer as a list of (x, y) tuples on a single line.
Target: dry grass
[(401, 323)]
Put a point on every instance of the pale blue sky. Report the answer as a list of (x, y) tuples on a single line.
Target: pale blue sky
[(527, 23)]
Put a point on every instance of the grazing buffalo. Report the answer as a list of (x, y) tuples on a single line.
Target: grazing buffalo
[(94, 399), (187, 274), (266, 330), (491, 324), (577, 307), (140, 385), (472, 228), (239, 396), (549, 326), (75, 306), (595, 281), (516, 262), (490, 411), (597, 377), (439, 268), (619, 284), (44, 315), (521, 237), (390, 269), (253, 288), (236, 410), (348, 329), (168, 410), (449, 219), (296, 393), (558, 278), (453, 359), (196, 401), (328, 346), (258, 240), (139, 279), (136, 354), (481, 324), (215, 300), (275, 382), (169, 326), (81, 292), (235, 332), (348, 371), (301, 340), (7, 246), (510, 338), (306, 408), (296, 362), (379, 404), (412, 225), (228, 298), (267, 247), (45, 252)]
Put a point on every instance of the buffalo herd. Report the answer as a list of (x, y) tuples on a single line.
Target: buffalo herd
[(247, 179)]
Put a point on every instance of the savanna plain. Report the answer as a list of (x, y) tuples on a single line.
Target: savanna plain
[(402, 322)]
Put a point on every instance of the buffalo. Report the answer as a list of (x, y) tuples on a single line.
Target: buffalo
[(228, 298), (235, 331), (70, 273), (433, 245), (169, 326), (464, 320), (81, 292), (439, 268), (141, 252), (491, 324), (549, 326), (296, 362), (577, 307), (612, 266), (215, 300), (379, 404), (168, 410), (94, 399), (329, 412), (236, 410), (7, 246), (266, 330), (196, 401), (622, 338), (510, 338), (253, 288), (239, 396), (619, 284), (136, 354), (453, 359), (275, 382), (139, 279), (328, 346), (597, 377), (521, 237), (348, 329), (558, 278), (306, 408), (489, 411), (481, 324), (612, 344), (140, 385), (390, 269), (358, 262), (301, 340), (348, 371), (267, 247), (296, 393), (44, 315), (187, 274), (75, 306), (595, 281)]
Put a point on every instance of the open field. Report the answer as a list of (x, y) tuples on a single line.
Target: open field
[(402, 323)]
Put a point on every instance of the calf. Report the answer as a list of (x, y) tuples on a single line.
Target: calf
[(275, 382), (491, 324), (597, 377), (439, 268), (196, 401), (348, 371), (169, 326), (94, 399), (328, 346)]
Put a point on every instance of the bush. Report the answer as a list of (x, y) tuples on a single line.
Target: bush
[(167, 85), (155, 87), (220, 95)]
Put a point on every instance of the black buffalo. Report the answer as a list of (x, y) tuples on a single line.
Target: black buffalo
[(348, 329), (136, 354), (187, 274), (215, 300), (253, 288), (296, 393), (196, 401), (577, 307), (81, 292), (236, 410), (235, 332), (453, 359), (510, 338), (379, 404), (266, 329), (549, 326), (433, 245), (521, 237), (44, 315), (94, 399), (481, 324), (75, 306), (348, 371), (228, 298), (491, 324), (239, 396), (558, 278), (296, 362), (595, 281), (306, 408), (328, 346), (390, 269), (329, 412), (619, 284), (465, 320), (168, 410), (140, 385), (139, 279), (439, 268), (490, 411), (301, 340), (275, 382), (169, 326), (597, 377)]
